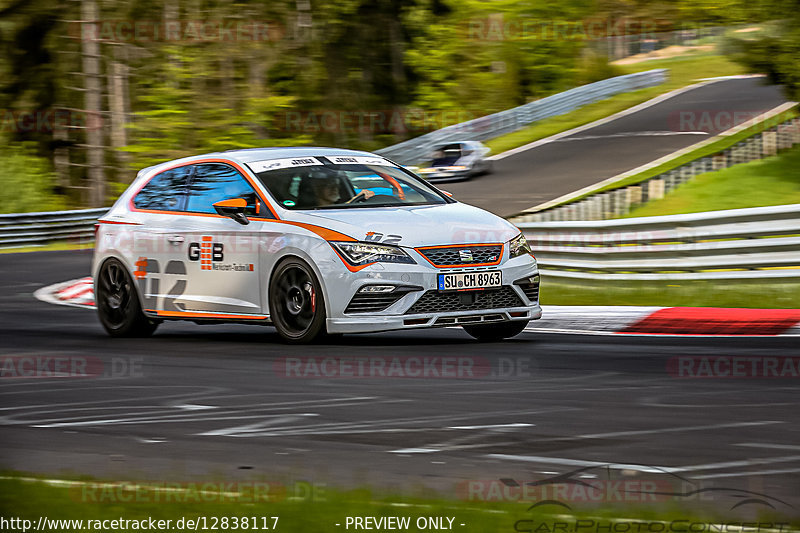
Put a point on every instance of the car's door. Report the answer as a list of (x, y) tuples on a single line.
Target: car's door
[(220, 255)]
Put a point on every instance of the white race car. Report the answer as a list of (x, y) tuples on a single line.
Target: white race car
[(457, 161), (313, 241)]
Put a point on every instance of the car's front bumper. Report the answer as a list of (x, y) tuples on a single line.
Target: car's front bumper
[(387, 323), (400, 315), (447, 175)]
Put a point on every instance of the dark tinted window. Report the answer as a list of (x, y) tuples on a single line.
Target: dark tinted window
[(214, 182), (165, 192), (346, 186)]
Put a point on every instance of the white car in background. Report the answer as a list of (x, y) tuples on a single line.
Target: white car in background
[(313, 241), (457, 161)]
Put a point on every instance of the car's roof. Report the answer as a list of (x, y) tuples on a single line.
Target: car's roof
[(249, 155)]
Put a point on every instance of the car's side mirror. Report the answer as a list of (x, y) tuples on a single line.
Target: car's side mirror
[(447, 193), (233, 208)]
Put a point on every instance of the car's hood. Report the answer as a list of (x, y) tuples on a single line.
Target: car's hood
[(427, 225)]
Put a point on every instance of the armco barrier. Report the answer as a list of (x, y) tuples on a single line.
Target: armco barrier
[(32, 229), (760, 242), (414, 151)]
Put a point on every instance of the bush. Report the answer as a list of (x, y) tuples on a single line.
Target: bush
[(25, 181)]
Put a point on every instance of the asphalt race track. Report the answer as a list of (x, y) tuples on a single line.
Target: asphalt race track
[(551, 170), (210, 402)]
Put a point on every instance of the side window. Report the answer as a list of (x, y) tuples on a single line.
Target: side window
[(214, 182), (165, 192)]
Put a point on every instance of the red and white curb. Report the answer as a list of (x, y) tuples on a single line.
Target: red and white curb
[(589, 320), (703, 321), (75, 293)]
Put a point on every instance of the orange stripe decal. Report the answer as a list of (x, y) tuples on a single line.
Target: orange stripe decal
[(141, 266), (193, 314), (325, 233)]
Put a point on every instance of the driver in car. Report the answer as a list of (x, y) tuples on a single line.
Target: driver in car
[(328, 188)]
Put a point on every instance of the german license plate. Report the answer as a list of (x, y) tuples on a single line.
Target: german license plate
[(464, 281)]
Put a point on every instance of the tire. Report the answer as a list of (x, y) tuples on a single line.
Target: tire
[(296, 303), (118, 303), (496, 332)]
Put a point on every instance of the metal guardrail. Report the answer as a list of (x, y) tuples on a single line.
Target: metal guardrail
[(761, 242), (31, 229), (414, 151), (756, 243)]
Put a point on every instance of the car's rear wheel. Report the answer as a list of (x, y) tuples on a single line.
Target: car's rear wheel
[(296, 304), (496, 332), (118, 304)]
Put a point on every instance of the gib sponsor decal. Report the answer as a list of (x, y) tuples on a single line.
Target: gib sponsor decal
[(211, 256)]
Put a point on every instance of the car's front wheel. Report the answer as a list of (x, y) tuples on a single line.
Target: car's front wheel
[(496, 332), (296, 304), (118, 304)]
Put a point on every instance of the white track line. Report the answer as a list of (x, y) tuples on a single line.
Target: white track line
[(600, 122), (652, 469), (769, 446), (613, 434), (669, 157)]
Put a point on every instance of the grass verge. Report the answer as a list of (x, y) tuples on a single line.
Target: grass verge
[(51, 247), (755, 294), (771, 181), (683, 70), (32, 501)]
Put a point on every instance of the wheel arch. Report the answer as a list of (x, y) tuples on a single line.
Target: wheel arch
[(126, 264), (305, 258)]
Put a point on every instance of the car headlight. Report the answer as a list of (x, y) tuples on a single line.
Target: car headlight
[(362, 253), (518, 246), (456, 168)]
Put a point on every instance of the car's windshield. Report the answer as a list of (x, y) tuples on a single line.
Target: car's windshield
[(342, 182), (446, 155)]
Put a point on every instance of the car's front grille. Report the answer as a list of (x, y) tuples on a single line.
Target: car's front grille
[(370, 303), (444, 302), (446, 256), (529, 286)]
